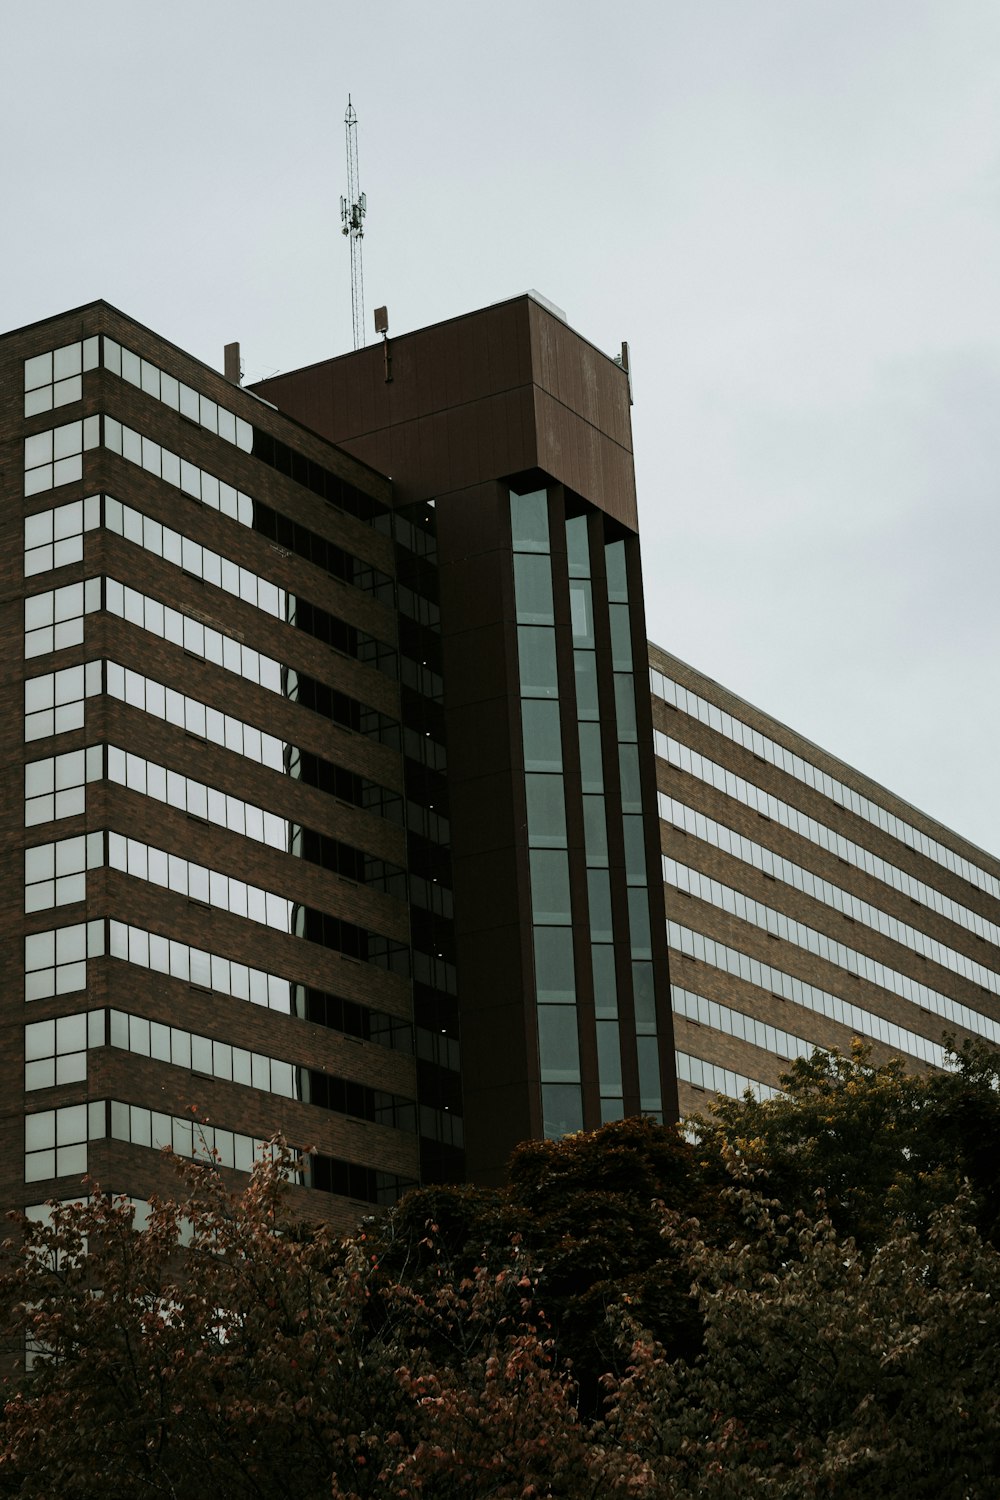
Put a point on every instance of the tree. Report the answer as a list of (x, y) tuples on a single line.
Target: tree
[(249, 1364), (878, 1141), (804, 1302), (586, 1214), (825, 1372)]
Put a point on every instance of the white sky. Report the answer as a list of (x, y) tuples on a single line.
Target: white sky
[(790, 208)]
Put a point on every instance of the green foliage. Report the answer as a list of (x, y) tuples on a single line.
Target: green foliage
[(803, 1302), (586, 1213), (250, 1364), (825, 1372), (880, 1143), (589, 1209)]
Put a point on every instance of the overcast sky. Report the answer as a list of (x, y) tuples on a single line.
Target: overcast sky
[(790, 208)]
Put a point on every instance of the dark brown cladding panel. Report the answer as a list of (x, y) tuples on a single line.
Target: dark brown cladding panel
[(492, 925), (497, 392)]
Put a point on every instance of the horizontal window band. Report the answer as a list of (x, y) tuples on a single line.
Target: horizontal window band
[(850, 906), (828, 786), (766, 805)]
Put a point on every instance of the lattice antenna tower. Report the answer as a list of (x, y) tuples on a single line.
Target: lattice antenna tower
[(352, 223)]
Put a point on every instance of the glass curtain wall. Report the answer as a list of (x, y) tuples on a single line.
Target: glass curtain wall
[(545, 799), (633, 830), (592, 715), (595, 819)]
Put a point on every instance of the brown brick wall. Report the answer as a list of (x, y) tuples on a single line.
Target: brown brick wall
[(726, 1051), (113, 1073)]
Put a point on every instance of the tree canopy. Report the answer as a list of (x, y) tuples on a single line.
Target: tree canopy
[(796, 1298)]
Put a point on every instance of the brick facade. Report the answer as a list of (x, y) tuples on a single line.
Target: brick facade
[(735, 1053)]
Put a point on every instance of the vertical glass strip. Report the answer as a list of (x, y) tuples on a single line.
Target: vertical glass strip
[(545, 801), (633, 834)]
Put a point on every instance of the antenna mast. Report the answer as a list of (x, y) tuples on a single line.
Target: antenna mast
[(352, 215)]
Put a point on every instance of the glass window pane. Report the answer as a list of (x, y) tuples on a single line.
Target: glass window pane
[(599, 898), (67, 440), (40, 1130), (595, 830), (577, 547), (37, 371), (533, 589), (638, 918), (536, 647), (71, 1124), (66, 361), (642, 991), (635, 849), (628, 768), (602, 958), (38, 449), (39, 1165), (131, 367), (542, 740), (150, 379), (625, 705), (546, 811), (591, 760), (65, 391), (562, 1109), (581, 609), (529, 522), (554, 972), (585, 671), (38, 529), (558, 1046), (40, 1074), (650, 1097), (614, 561), (550, 901), (37, 401), (39, 950), (621, 637), (39, 1040), (609, 1057), (71, 1160)]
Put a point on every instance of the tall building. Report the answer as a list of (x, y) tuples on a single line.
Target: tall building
[(339, 803), (806, 904), (333, 804)]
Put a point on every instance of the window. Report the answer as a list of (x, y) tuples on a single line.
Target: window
[(54, 538), (55, 962), (123, 520), (54, 620), (56, 874), (55, 457), (178, 396), (192, 635), (706, 1075), (56, 378), (786, 760), (150, 950), (53, 702), (55, 1140), (196, 717), (55, 787), (55, 1051)]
